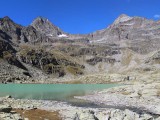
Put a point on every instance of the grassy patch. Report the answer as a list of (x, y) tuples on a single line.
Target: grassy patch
[(74, 70), (38, 114), (74, 82), (126, 93)]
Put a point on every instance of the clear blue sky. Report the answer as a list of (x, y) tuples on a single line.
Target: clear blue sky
[(78, 16)]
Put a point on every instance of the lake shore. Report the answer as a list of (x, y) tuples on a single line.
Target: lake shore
[(144, 99), (129, 78)]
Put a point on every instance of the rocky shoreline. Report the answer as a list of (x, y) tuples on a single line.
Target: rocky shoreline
[(130, 102), (142, 97), (68, 112)]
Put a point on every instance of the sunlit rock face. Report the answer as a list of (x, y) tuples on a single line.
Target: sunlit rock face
[(45, 26), (139, 34)]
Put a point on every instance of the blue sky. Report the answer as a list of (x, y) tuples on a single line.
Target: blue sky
[(78, 16)]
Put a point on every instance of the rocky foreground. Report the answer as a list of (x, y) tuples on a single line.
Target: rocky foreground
[(133, 102)]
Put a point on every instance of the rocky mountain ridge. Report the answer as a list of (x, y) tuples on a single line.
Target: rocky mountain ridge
[(44, 26), (44, 48)]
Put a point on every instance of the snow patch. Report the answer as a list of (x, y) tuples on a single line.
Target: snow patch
[(62, 35), (129, 24)]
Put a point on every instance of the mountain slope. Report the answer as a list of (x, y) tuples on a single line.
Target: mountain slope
[(42, 52), (138, 33)]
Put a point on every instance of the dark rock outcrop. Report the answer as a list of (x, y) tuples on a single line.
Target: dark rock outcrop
[(11, 29)]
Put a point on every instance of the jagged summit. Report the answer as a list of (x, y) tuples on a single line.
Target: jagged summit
[(6, 18), (122, 18), (45, 26), (40, 19), (8, 22)]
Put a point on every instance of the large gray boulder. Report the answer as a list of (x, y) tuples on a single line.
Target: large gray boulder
[(85, 115)]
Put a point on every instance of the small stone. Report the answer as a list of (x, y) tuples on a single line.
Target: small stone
[(13, 112), (26, 119), (146, 117)]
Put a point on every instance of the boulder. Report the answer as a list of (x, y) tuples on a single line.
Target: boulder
[(146, 117), (5, 108), (17, 117), (85, 115), (76, 117), (130, 115), (8, 96), (117, 115)]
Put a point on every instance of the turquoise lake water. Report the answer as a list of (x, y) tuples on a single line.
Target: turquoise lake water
[(60, 92)]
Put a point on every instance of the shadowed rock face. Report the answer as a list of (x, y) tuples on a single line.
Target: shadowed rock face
[(8, 53), (122, 44), (5, 46), (18, 34), (31, 35), (4, 36), (11, 29)]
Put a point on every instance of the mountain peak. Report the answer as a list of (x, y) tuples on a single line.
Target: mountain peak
[(6, 18), (122, 18), (42, 19), (45, 26), (123, 15)]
